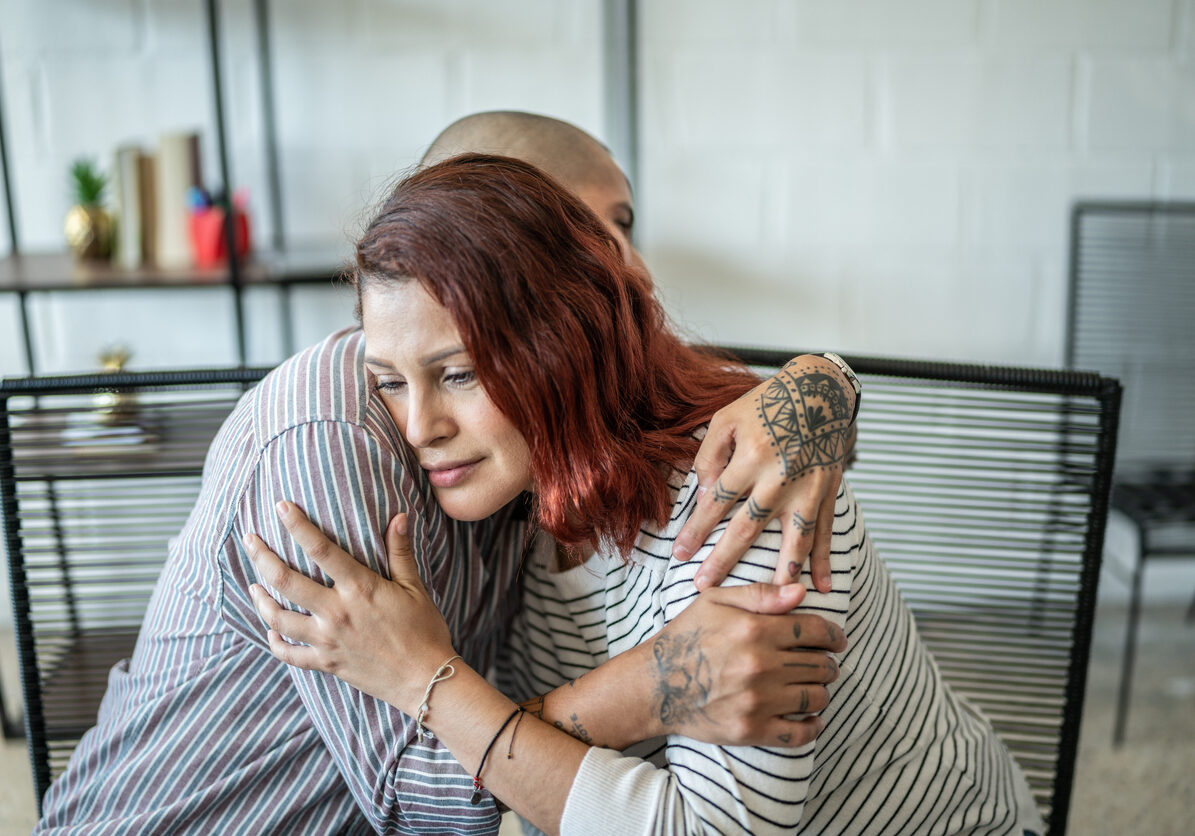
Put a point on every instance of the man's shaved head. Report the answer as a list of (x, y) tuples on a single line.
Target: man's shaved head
[(562, 151)]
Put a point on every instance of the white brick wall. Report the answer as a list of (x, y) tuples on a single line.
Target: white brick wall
[(901, 172), (880, 177)]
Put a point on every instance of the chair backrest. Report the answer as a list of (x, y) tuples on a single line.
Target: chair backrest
[(1131, 309), (985, 490), (97, 473)]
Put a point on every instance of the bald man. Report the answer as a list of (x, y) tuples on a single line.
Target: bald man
[(739, 455)]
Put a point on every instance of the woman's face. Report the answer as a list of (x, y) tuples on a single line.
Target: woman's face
[(474, 457)]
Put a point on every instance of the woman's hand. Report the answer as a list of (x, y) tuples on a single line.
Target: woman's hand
[(383, 637), (731, 666), (783, 444)]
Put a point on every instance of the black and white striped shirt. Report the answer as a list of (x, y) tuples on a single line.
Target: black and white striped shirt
[(900, 752)]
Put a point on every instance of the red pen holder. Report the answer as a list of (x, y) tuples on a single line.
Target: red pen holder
[(207, 236)]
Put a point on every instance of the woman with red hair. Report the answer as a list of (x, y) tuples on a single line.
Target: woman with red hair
[(520, 357)]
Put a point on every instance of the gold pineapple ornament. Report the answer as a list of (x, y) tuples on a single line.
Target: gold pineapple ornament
[(88, 225)]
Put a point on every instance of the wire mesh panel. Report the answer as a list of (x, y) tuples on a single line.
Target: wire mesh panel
[(985, 490), (97, 474), (1132, 317)]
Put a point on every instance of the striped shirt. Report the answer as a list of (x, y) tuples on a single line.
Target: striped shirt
[(900, 752), (202, 730)]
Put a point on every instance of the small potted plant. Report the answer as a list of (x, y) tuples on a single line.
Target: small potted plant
[(88, 225)]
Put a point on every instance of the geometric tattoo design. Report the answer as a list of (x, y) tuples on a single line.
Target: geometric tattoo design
[(807, 415)]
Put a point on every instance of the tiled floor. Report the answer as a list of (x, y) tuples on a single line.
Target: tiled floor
[(1143, 787)]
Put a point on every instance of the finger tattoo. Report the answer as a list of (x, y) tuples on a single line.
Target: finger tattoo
[(721, 494), (803, 525), (804, 706), (755, 512), (787, 737), (794, 569)]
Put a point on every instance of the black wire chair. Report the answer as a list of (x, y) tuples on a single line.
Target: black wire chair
[(1132, 315), (986, 491), (97, 473)]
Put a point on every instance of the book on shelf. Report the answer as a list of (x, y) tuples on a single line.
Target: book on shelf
[(176, 173), (126, 192)]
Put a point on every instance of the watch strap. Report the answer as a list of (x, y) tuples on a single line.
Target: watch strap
[(850, 376)]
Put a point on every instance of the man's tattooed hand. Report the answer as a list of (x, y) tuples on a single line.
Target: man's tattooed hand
[(683, 679), (807, 414)]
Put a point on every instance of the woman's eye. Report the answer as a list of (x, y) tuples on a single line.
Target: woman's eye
[(390, 385), (462, 378)]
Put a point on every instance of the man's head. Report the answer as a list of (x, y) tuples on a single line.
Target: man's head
[(565, 152)]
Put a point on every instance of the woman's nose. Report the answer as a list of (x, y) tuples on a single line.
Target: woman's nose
[(427, 421)]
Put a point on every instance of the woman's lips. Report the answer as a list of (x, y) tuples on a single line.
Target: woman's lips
[(447, 477)]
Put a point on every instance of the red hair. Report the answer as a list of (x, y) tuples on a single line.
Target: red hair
[(568, 341)]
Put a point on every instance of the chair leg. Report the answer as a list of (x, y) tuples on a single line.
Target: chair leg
[(1130, 650), (11, 728)]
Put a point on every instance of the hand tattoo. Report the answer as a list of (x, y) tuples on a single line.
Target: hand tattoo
[(807, 414), (683, 678)]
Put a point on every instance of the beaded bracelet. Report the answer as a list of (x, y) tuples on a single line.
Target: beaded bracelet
[(443, 672)]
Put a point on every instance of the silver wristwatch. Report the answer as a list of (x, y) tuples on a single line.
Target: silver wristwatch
[(850, 376)]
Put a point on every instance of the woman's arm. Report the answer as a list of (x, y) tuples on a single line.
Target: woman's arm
[(705, 788), (785, 466), (393, 657)]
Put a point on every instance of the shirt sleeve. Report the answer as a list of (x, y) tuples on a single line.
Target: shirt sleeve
[(351, 484), (707, 788)]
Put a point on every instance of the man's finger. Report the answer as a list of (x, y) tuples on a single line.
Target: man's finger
[(796, 541), (811, 666), (291, 585), (810, 631), (715, 450), (819, 566), (763, 598), (742, 530), (711, 507), (338, 564), (792, 733)]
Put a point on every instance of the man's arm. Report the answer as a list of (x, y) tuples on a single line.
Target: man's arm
[(783, 446)]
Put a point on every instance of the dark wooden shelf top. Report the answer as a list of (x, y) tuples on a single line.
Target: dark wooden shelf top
[(60, 271)]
